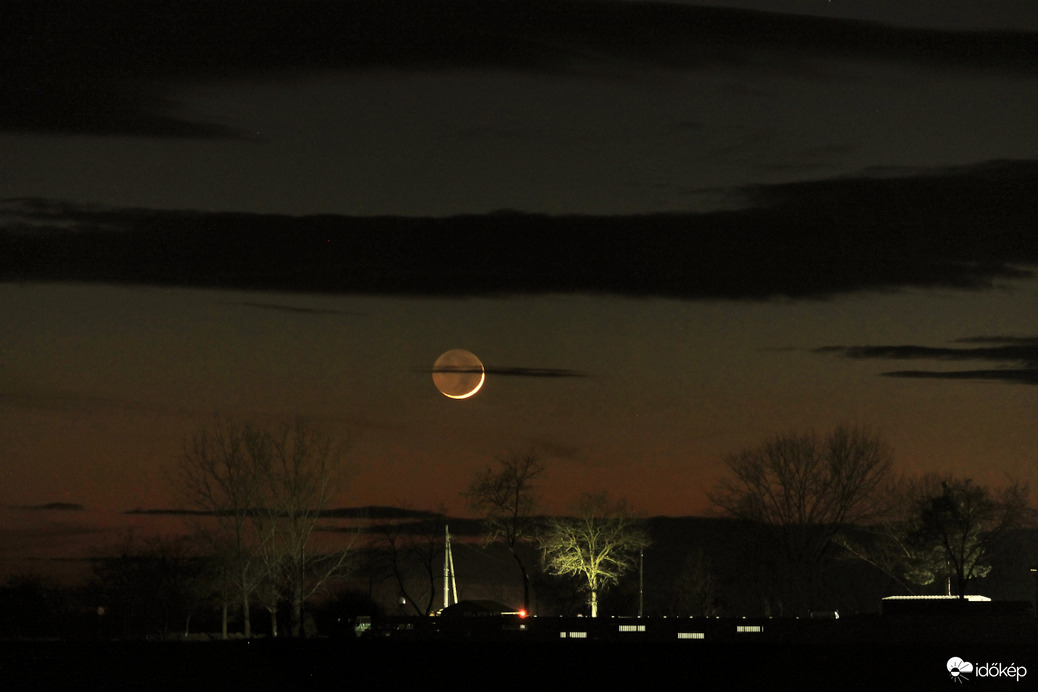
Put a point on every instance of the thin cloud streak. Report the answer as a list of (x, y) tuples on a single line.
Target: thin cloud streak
[(1013, 376), (1022, 353), (1019, 354)]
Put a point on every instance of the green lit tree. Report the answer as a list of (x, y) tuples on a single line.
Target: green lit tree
[(599, 545)]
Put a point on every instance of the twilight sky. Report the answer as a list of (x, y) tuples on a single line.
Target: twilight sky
[(669, 230)]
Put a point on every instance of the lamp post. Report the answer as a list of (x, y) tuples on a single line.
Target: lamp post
[(1034, 573), (641, 581)]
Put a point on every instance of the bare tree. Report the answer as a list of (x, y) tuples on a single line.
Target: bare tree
[(805, 488), (809, 485), (153, 585), (217, 478), (300, 468), (506, 494), (600, 544), (265, 489), (408, 554)]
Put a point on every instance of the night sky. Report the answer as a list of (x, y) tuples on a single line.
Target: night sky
[(669, 231)]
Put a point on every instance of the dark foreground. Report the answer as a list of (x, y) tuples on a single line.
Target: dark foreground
[(389, 664)]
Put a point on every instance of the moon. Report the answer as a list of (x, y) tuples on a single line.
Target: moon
[(458, 374)]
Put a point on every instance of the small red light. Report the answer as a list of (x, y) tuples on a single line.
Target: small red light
[(522, 613)]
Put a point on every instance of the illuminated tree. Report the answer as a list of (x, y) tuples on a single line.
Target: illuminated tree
[(600, 544), (887, 543), (960, 522), (939, 529), (507, 495)]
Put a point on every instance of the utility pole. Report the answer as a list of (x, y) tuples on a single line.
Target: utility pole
[(641, 582), (449, 581)]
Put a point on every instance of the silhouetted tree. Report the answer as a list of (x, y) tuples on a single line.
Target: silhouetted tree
[(600, 544), (808, 488), (30, 606), (960, 523), (299, 475), (263, 490), (938, 529), (506, 494), (694, 589), (220, 476), (407, 553), (152, 586), (806, 483)]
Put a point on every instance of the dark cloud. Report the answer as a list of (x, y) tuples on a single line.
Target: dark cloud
[(111, 67), (377, 512), (66, 110), (1018, 356), (969, 228), (1025, 351)]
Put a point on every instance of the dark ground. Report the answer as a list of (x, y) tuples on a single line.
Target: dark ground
[(493, 665)]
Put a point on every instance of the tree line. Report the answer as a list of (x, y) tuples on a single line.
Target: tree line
[(839, 493), (818, 499), (256, 493)]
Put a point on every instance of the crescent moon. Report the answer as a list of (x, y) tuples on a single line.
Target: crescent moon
[(458, 374), (482, 379)]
